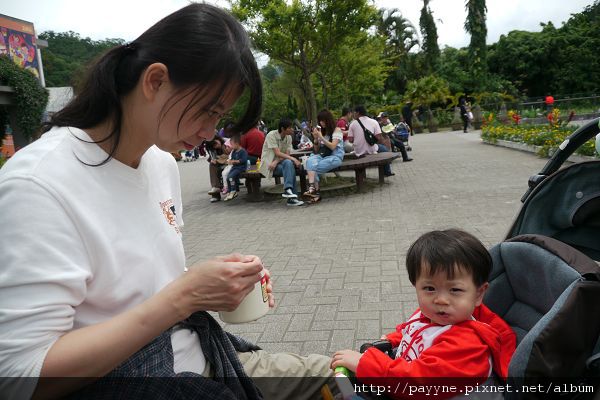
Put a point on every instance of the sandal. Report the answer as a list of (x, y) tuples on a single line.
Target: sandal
[(315, 198), (311, 192)]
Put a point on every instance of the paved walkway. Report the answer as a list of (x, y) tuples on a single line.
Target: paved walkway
[(338, 266)]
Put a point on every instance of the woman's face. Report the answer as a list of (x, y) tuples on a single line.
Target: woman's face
[(180, 129)]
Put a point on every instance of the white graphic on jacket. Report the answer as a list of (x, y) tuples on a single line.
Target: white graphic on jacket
[(417, 335)]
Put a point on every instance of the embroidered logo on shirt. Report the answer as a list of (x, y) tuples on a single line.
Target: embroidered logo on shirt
[(168, 209)]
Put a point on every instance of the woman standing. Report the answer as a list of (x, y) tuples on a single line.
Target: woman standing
[(329, 148)]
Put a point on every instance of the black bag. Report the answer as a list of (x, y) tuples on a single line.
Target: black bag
[(369, 136)]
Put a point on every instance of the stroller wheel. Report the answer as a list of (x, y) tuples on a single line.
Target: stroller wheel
[(408, 148)]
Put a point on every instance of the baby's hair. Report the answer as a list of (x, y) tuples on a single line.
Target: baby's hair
[(447, 251), (236, 139)]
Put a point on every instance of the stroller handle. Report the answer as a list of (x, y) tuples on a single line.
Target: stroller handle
[(564, 151)]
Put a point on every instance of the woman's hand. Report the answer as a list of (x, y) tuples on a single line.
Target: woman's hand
[(346, 358), (219, 284), (316, 132)]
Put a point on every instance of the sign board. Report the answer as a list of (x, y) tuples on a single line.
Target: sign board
[(17, 40)]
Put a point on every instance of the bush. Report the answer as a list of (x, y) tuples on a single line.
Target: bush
[(29, 100), (547, 137)]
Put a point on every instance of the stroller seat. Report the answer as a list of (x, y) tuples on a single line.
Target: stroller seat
[(549, 293)]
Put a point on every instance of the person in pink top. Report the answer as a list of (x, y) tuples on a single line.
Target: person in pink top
[(356, 136)]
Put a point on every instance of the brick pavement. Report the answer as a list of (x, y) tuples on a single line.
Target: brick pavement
[(338, 267)]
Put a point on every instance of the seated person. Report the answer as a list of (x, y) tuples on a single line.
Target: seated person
[(344, 124), (452, 334), (217, 155), (277, 161), (388, 130), (253, 141), (356, 135), (238, 162), (329, 147)]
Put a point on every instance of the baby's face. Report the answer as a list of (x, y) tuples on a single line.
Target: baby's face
[(448, 301)]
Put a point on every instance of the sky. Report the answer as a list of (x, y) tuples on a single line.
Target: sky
[(127, 19)]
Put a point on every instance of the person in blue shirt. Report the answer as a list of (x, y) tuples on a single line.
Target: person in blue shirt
[(239, 162)]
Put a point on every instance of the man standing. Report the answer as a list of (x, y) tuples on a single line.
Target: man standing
[(277, 161), (344, 123), (356, 135), (407, 115), (253, 141)]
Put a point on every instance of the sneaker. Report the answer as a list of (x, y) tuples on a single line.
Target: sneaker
[(407, 160), (294, 202), (288, 194), (230, 196), (214, 190), (215, 199)]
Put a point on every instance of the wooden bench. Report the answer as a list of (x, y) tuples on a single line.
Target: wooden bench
[(359, 165)]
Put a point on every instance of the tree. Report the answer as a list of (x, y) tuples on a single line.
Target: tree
[(430, 38), (302, 34), (67, 56), (348, 81), (476, 27), (556, 60), (400, 36)]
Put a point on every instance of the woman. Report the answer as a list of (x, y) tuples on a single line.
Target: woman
[(329, 153), (94, 281)]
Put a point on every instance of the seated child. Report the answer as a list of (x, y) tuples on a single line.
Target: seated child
[(238, 160), (452, 334)]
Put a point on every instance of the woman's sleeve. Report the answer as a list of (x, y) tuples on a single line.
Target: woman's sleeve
[(43, 277)]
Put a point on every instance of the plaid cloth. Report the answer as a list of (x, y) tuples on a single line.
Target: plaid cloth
[(148, 374)]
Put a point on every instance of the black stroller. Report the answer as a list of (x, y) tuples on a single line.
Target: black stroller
[(545, 281)]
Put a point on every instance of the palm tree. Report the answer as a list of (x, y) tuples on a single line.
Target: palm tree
[(401, 36)]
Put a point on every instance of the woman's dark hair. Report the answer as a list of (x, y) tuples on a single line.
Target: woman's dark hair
[(325, 115), (201, 45), (447, 251)]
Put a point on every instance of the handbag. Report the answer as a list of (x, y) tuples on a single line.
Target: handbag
[(369, 136)]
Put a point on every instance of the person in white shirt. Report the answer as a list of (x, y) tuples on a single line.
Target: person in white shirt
[(356, 136), (94, 279)]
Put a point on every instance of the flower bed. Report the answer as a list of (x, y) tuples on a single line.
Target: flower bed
[(546, 137)]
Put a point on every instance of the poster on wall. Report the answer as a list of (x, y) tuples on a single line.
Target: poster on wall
[(17, 40)]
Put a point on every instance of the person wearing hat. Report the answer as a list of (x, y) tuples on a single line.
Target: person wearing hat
[(388, 129)]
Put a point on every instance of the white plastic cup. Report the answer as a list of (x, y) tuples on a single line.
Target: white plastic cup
[(254, 305)]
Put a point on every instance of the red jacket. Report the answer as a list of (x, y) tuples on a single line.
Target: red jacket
[(462, 351)]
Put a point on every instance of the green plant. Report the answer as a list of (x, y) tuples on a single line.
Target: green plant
[(29, 98), (477, 116), (456, 120)]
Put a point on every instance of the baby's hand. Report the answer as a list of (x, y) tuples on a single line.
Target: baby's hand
[(346, 358), (383, 337)]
